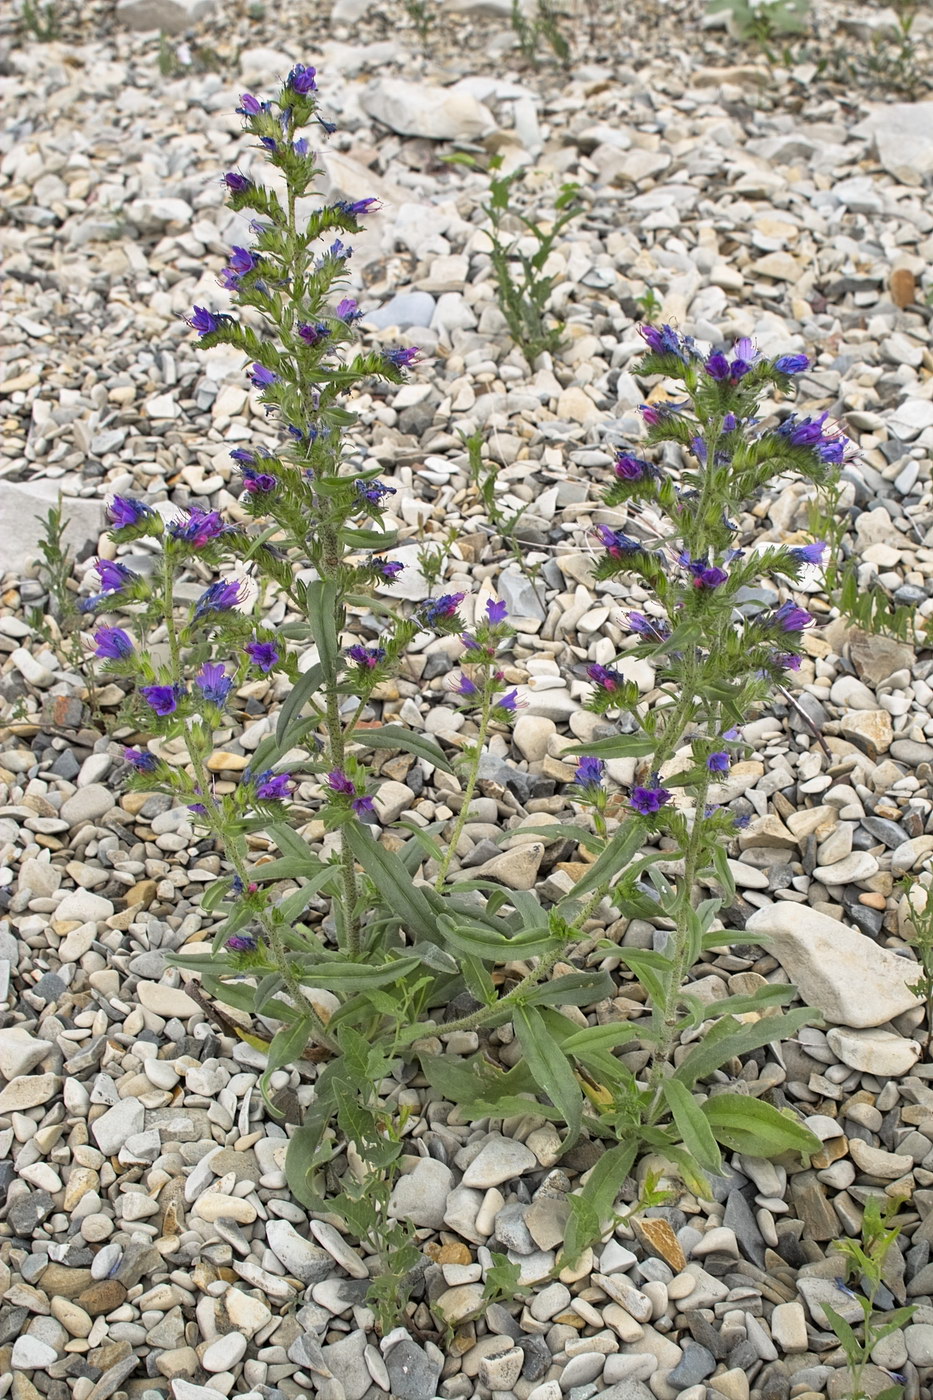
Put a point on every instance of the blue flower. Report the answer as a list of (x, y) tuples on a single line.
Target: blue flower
[(348, 310), (162, 698), (718, 762), (810, 553), (373, 491), (590, 774), (204, 322), (250, 106), (616, 543), (214, 683), (496, 612), (237, 183), (357, 207), (272, 787), (262, 377), (219, 597), (402, 358), (301, 79), (113, 576), (262, 654), (792, 364), (113, 644), (441, 609), (124, 512), (650, 799), (141, 759)]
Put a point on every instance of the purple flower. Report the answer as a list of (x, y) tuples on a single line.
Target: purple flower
[(258, 483), (124, 512), (114, 576), (655, 629), (348, 310), (698, 448), (509, 702), (301, 79), (374, 492), (327, 127), (604, 678), (730, 423), (740, 823), (204, 321), (830, 444), (141, 759), (357, 207), (262, 377), (496, 611), (388, 568), (655, 413), (717, 366), (338, 782), (237, 183), (402, 358), (632, 468), (785, 660), (649, 800), (250, 106), (441, 609), (810, 553), (162, 698), (362, 804), (262, 654), (465, 687), (272, 787), (790, 618), (199, 529), (312, 334), (665, 341), (219, 597), (337, 252), (367, 657), (718, 762), (617, 544), (242, 454), (791, 364), (241, 260), (113, 644), (590, 773), (214, 683), (241, 943), (707, 577)]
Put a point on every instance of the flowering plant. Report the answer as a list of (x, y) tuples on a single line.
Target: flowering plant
[(369, 950)]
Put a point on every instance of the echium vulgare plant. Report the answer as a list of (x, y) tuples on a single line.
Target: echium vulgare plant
[(358, 955)]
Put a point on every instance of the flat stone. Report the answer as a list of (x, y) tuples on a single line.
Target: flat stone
[(31, 1354), (874, 1160), (29, 1091), (413, 1374), (111, 1129), (224, 1354), (870, 730), (87, 804), (500, 1159), (418, 109), (405, 310), (789, 1328), (902, 133), (853, 869), (83, 907), (873, 1051), (420, 1196), (918, 1337), (460, 1301), (23, 507), (517, 869), (817, 1291), (20, 1052), (172, 16), (302, 1258), (166, 1001), (846, 975)]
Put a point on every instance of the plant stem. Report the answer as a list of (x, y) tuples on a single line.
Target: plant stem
[(468, 791)]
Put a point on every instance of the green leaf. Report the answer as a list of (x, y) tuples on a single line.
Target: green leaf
[(756, 1128), (478, 941), (843, 1330), (215, 894), (720, 859), (392, 882), (592, 1208), (728, 1038), (600, 1038), (692, 1125), (309, 682), (572, 989), (613, 859), (616, 746), (652, 969), (550, 1068), (350, 977), (564, 831), (308, 1150), (396, 736), (288, 1045)]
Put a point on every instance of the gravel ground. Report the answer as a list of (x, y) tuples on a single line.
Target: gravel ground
[(148, 1243)]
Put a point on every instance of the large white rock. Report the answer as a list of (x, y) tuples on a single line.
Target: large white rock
[(903, 136), (21, 507), (174, 16), (417, 109), (850, 978)]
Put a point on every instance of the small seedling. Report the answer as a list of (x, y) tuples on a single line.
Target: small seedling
[(544, 24), (869, 608), (43, 22), (864, 1265), (919, 934), (422, 14), (650, 304)]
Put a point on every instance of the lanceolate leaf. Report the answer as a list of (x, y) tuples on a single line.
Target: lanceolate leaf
[(396, 736), (757, 1128), (591, 1208), (613, 859), (393, 882), (309, 682), (729, 1037), (550, 1068), (692, 1126), (616, 746)]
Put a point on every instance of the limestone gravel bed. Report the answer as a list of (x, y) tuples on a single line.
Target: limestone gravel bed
[(149, 1246)]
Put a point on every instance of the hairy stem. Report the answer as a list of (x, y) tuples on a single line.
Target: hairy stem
[(468, 791)]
